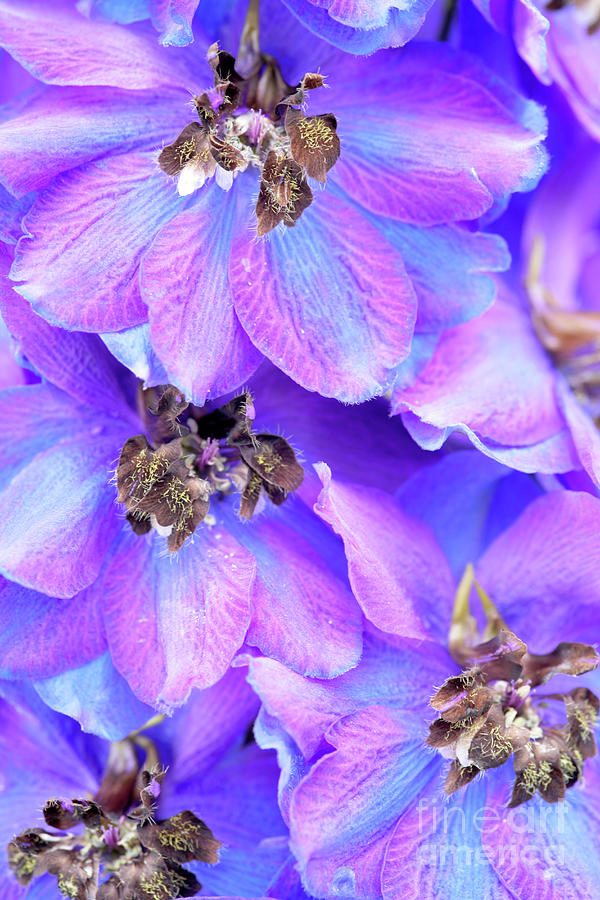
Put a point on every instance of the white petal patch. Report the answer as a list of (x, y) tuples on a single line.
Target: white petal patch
[(191, 178), (223, 178)]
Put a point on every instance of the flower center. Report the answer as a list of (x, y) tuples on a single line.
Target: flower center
[(572, 338), (255, 119), (166, 483), (494, 710), (111, 847)]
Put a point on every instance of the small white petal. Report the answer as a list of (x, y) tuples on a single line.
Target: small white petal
[(223, 178), (191, 178)]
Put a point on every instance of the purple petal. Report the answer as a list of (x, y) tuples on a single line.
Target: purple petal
[(12, 212), (41, 755), (449, 268), (397, 570), (97, 697), (42, 636), (435, 850), (62, 128), (343, 812), (35, 418), (77, 363), (545, 851), (583, 431), (58, 515), (360, 27), (116, 205), (573, 55), (210, 723), (451, 138), (193, 325), (175, 624), (309, 302), (401, 676), (173, 19), (303, 615), (133, 349), (553, 455), (542, 571), (453, 497), (461, 385), (59, 46)]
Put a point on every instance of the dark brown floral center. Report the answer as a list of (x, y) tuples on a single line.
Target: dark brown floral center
[(493, 710), (255, 119), (110, 847), (167, 482)]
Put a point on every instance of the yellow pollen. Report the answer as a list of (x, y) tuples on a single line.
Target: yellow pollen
[(315, 133), (186, 151), (534, 777), (179, 834)]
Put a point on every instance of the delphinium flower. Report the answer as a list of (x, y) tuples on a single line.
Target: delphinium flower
[(374, 808), (186, 807), (522, 380), (355, 276), (560, 41), (355, 26), (127, 507)]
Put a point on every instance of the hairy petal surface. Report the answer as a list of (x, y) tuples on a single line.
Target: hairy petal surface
[(310, 300)]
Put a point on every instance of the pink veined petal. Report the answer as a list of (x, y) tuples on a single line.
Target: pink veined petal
[(461, 384), (58, 515), (175, 623), (396, 568), (309, 299), (60, 46), (87, 232), (193, 325)]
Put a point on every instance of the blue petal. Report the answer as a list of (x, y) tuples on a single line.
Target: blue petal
[(97, 697)]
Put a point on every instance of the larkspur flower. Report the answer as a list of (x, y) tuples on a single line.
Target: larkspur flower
[(521, 381), (361, 788), (138, 813), (187, 292), (560, 41), (172, 621)]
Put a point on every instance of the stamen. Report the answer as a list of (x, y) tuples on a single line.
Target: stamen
[(253, 118), (168, 487), (491, 711), (141, 857)]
